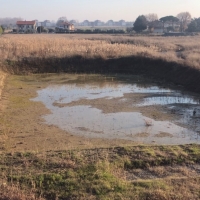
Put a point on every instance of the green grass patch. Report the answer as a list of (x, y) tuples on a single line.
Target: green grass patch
[(74, 175)]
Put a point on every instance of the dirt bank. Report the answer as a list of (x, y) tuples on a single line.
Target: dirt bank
[(173, 72)]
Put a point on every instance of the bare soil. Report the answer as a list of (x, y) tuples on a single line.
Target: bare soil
[(23, 129)]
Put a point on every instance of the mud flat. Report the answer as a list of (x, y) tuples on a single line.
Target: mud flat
[(22, 125), (122, 107), (51, 112)]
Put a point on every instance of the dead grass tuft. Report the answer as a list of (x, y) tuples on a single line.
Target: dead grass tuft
[(15, 193)]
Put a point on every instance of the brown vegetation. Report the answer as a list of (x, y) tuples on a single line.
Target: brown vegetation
[(2, 79), (174, 59), (184, 50)]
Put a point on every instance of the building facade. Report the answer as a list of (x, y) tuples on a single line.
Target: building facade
[(26, 26), (64, 27)]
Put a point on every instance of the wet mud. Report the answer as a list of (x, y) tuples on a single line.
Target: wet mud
[(113, 108)]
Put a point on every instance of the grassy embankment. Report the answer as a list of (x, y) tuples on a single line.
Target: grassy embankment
[(164, 172), (140, 172)]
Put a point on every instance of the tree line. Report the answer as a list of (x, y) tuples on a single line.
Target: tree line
[(186, 23), (1, 30)]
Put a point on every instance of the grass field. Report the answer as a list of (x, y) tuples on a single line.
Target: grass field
[(140, 172)]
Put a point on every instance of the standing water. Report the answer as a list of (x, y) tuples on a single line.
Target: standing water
[(109, 107)]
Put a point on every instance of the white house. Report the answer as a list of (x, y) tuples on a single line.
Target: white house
[(86, 23), (26, 26), (110, 23), (98, 23), (122, 23), (47, 24), (63, 26)]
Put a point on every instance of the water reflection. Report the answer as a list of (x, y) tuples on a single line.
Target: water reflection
[(165, 100), (75, 92), (91, 122)]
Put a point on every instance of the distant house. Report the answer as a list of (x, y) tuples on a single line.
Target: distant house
[(160, 27), (38, 23), (122, 23), (86, 23), (63, 27), (129, 24), (173, 26), (46, 23), (156, 27), (98, 23), (110, 23), (26, 26)]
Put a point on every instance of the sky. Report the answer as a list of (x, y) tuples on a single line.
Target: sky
[(92, 10)]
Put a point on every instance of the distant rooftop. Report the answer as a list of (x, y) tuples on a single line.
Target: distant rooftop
[(26, 22)]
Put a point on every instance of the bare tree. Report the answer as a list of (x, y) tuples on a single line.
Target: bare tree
[(8, 21), (61, 20), (184, 18), (151, 17)]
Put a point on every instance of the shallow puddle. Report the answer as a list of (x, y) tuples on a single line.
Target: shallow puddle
[(166, 100), (89, 121)]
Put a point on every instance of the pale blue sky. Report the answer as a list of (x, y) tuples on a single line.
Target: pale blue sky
[(95, 9)]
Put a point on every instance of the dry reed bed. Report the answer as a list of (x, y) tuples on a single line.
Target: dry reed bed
[(184, 50), (2, 79)]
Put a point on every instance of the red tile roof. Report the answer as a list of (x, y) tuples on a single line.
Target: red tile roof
[(25, 22)]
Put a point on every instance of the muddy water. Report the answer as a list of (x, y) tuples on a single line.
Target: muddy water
[(82, 107)]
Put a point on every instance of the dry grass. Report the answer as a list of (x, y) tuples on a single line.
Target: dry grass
[(15, 193), (148, 122), (185, 50), (2, 80), (107, 173)]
